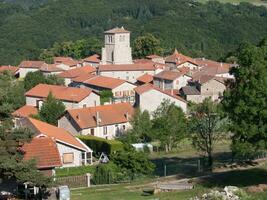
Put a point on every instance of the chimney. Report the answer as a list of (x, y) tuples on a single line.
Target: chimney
[(98, 120), (126, 115), (77, 117), (172, 92), (221, 64)]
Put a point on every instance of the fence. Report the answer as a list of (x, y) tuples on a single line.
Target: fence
[(75, 181)]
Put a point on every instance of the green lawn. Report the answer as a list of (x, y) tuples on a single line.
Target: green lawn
[(255, 2)]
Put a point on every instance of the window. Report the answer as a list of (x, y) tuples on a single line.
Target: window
[(105, 130), (88, 157), (123, 127), (68, 158), (127, 77), (84, 105), (92, 131)]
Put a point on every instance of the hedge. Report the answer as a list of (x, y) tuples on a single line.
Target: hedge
[(99, 145)]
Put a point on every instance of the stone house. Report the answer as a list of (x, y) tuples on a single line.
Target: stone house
[(27, 66), (106, 121), (70, 96), (93, 60)]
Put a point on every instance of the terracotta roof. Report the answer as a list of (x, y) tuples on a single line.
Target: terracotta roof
[(169, 75), (50, 68), (79, 71), (44, 150), (31, 64), (25, 111), (147, 87), (117, 30), (108, 114), (59, 134), (66, 60), (142, 61), (213, 67), (94, 58), (128, 67), (179, 58), (146, 78), (153, 56), (12, 69), (82, 78), (59, 92), (104, 82)]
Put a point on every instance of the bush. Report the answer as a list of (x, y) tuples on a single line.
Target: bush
[(106, 174), (99, 145)]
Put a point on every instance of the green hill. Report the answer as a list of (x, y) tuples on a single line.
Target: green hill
[(211, 29)]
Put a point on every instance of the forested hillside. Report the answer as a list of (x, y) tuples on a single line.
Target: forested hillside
[(210, 30)]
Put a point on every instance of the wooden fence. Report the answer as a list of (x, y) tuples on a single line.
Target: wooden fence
[(74, 181)]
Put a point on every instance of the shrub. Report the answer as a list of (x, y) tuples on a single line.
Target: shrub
[(75, 171), (99, 145)]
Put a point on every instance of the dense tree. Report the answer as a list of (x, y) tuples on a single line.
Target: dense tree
[(11, 157), (207, 127), (132, 162), (169, 125), (51, 110), (78, 49), (11, 94), (246, 101), (34, 78), (195, 29), (141, 128), (105, 96), (146, 45)]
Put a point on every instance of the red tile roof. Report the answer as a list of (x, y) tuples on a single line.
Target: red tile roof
[(79, 71), (82, 78), (59, 134), (31, 64), (117, 30), (128, 67), (146, 78), (50, 68), (108, 114), (59, 92), (44, 150), (179, 58), (67, 61), (104, 82), (9, 68), (147, 87), (94, 58), (153, 56), (25, 111), (169, 75)]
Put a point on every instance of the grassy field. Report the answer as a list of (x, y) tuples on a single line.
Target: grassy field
[(133, 191), (255, 2)]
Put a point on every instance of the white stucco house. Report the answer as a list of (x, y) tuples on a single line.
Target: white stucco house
[(123, 91), (70, 96), (167, 80), (27, 66), (150, 97), (106, 121), (72, 151)]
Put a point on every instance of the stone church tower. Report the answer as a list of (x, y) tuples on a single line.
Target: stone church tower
[(117, 48)]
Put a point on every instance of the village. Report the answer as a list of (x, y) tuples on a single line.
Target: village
[(143, 84)]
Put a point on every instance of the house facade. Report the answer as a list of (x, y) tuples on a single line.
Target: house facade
[(107, 121), (29, 66), (72, 151), (71, 97), (150, 97)]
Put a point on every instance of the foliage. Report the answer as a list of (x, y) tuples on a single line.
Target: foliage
[(34, 78), (132, 162), (11, 94), (141, 128), (75, 171), (146, 45), (193, 28), (78, 49), (106, 173), (11, 163), (51, 110), (207, 127), (246, 101), (169, 125), (99, 145), (105, 96)]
